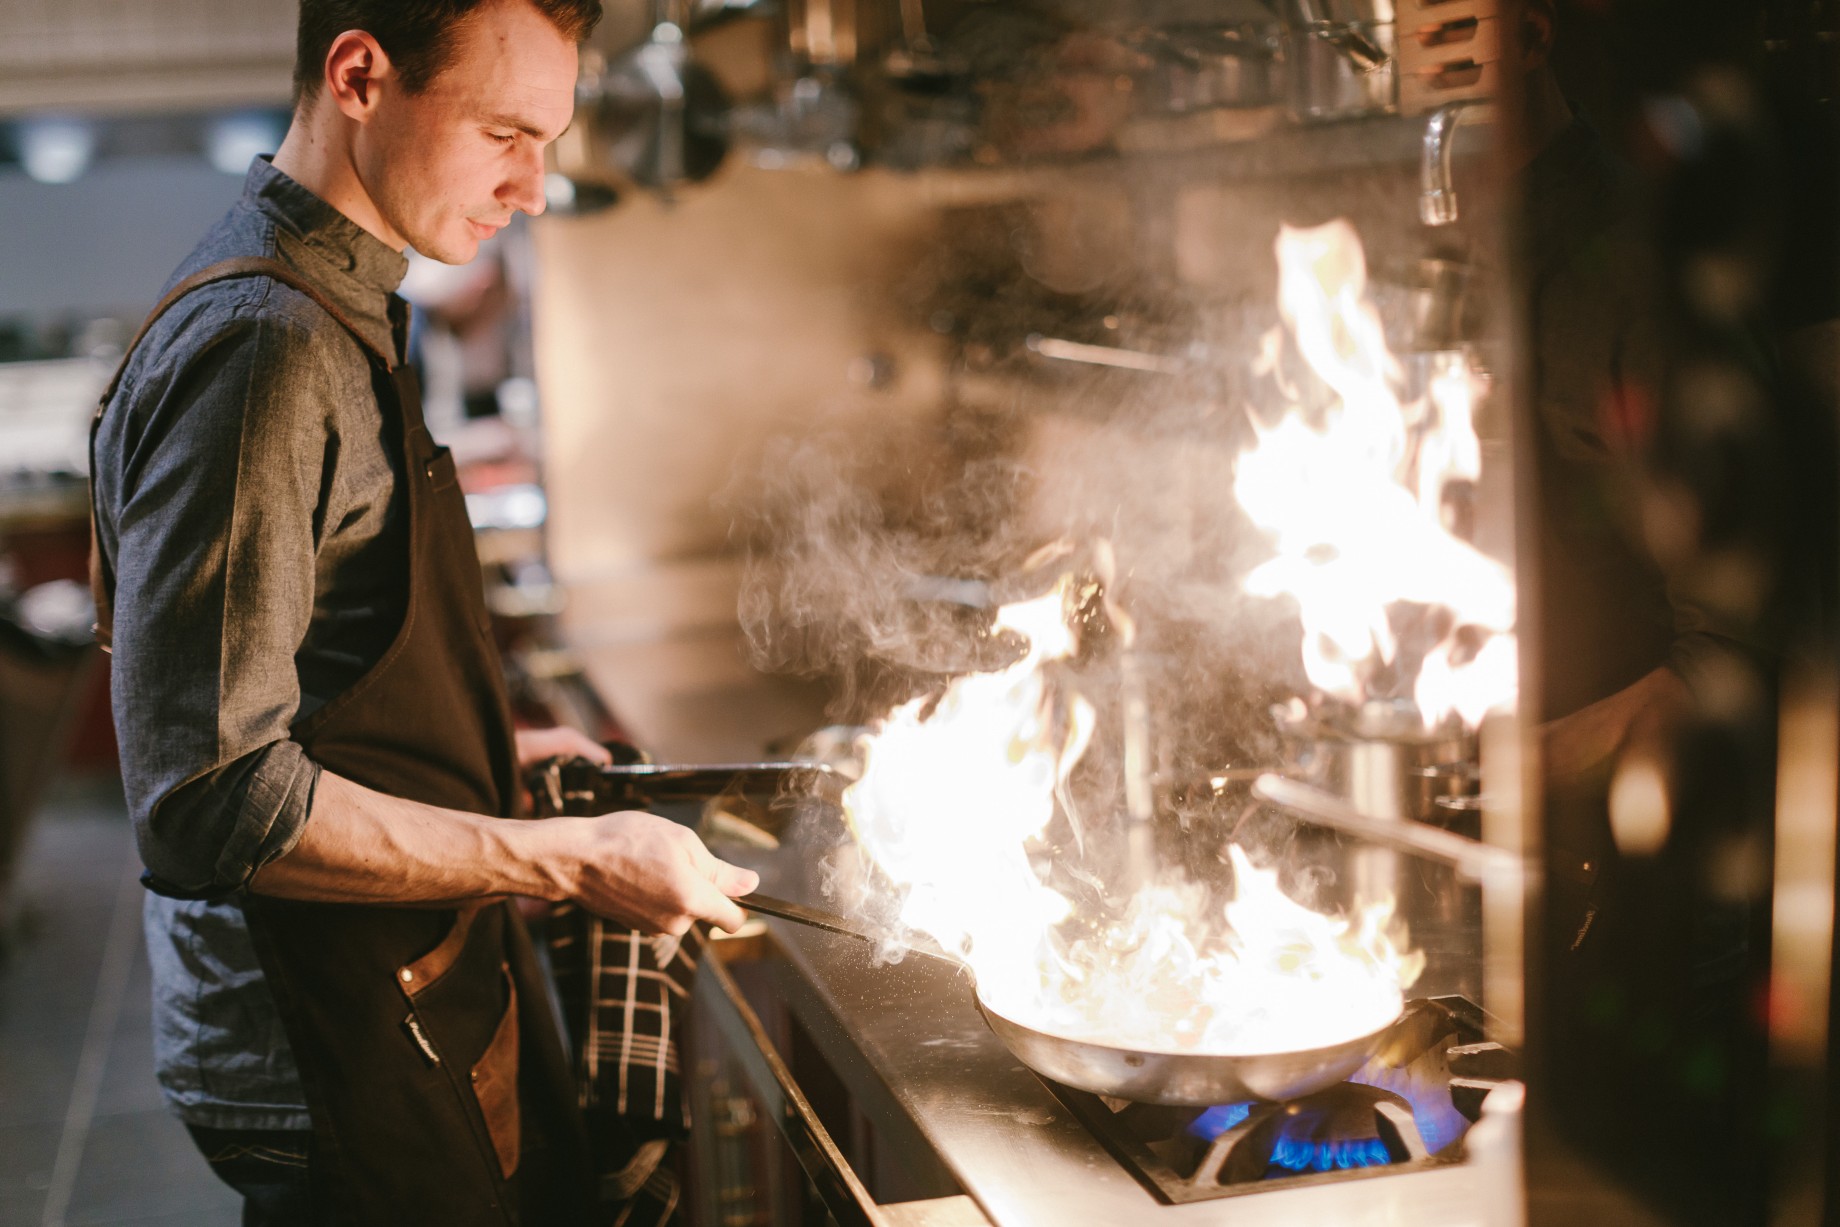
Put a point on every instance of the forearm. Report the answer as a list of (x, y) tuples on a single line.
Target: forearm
[(362, 846)]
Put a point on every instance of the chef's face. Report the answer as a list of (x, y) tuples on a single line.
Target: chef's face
[(449, 165)]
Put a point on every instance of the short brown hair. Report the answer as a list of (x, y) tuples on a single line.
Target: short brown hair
[(417, 35)]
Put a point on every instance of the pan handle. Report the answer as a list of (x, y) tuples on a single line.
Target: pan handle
[(830, 922), (579, 786), (1472, 858)]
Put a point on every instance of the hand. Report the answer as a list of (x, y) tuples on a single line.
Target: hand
[(536, 745), (649, 873), (1581, 750)]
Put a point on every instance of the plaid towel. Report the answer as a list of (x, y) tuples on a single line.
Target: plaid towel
[(623, 998)]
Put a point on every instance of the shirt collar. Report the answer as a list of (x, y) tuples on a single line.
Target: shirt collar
[(328, 233)]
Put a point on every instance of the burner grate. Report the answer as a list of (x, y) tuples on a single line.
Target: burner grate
[(1406, 1109)]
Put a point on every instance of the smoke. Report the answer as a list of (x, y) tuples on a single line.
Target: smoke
[(876, 554), (876, 562), (865, 565)]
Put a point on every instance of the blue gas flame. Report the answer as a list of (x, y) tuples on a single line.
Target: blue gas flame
[(1217, 1120), (1296, 1155)]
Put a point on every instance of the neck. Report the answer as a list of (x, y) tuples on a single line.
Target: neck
[(318, 154), (1548, 113)]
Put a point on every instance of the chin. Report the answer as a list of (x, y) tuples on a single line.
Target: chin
[(451, 248)]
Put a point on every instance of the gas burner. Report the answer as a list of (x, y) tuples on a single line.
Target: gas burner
[(1345, 1127), (1407, 1108)]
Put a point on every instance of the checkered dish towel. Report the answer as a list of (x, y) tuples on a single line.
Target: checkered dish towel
[(623, 998)]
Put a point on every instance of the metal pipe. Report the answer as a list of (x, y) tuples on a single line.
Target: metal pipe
[(1103, 355), (1437, 197), (1471, 858)]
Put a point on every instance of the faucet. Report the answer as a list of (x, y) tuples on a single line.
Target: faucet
[(1437, 198)]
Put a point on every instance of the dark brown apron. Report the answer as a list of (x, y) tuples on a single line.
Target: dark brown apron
[(434, 1073)]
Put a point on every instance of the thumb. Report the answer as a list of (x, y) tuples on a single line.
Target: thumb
[(719, 910), (733, 880)]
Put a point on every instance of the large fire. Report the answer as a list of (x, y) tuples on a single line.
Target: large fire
[(959, 790), (955, 798), (1354, 500)]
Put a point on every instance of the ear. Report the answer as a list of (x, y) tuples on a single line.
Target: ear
[(355, 66), (1536, 33)]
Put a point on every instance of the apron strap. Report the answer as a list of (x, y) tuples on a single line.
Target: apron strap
[(101, 574)]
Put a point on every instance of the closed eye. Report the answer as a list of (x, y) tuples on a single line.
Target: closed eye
[(503, 138)]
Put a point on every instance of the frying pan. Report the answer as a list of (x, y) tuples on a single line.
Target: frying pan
[(1141, 1075), (1183, 1079)]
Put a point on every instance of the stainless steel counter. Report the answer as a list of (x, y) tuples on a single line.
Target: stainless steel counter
[(908, 1040)]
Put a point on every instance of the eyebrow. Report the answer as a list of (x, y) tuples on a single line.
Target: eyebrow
[(526, 127)]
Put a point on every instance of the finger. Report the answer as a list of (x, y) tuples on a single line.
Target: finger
[(590, 749), (731, 880)]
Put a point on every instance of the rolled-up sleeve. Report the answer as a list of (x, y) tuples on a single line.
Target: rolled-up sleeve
[(219, 489)]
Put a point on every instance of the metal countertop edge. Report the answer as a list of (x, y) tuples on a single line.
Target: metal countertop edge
[(1016, 1174)]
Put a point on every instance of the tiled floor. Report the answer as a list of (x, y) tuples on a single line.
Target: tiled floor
[(84, 1138)]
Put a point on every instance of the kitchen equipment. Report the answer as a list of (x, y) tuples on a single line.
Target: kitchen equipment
[(1400, 1142), (747, 803), (1437, 196), (648, 783), (821, 918), (1139, 1075), (1381, 758), (1342, 59), (1377, 762), (1448, 50), (1195, 68), (1426, 1083), (1180, 1078), (656, 115), (1429, 304), (1471, 858)]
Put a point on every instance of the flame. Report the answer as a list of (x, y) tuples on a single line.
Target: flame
[(952, 794), (1355, 504), (951, 807)]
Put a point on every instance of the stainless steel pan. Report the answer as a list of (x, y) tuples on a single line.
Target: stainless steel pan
[(1178, 1078), (1186, 1079)]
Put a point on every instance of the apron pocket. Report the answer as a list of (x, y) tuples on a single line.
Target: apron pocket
[(495, 1080), (440, 469)]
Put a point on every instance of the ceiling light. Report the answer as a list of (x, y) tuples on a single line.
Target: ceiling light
[(234, 141), (56, 150)]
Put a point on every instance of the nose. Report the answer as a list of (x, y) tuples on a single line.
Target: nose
[(524, 189)]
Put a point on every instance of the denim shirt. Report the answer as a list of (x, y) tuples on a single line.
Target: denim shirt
[(248, 499)]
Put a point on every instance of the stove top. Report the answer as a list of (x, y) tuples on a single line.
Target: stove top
[(1405, 1110)]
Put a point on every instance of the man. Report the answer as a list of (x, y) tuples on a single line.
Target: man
[(315, 741)]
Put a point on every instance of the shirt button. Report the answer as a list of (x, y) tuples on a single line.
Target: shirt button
[(407, 975)]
